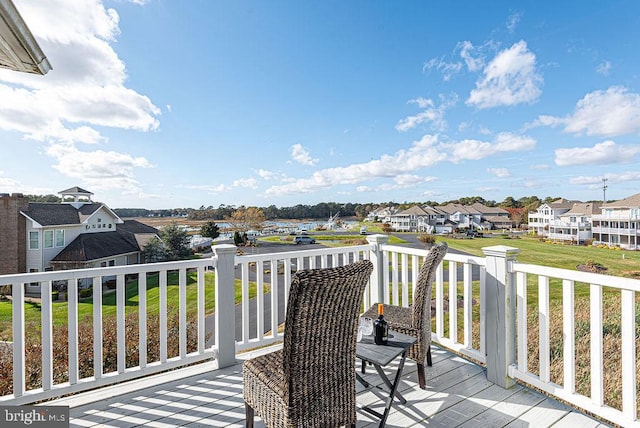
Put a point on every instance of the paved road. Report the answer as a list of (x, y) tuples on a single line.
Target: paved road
[(276, 247)]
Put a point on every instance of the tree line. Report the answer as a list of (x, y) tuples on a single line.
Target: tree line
[(318, 211)]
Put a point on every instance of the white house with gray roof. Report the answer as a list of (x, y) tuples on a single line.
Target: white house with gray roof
[(76, 233), (618, 224)]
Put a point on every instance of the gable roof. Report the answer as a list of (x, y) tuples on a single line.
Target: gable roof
[(414, 210), (584, 208), (632, 201), (76, 189), (48, 214), (93, 246), (483, 209), (130, 237)]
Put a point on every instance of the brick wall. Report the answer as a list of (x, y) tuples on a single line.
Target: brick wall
[(13, 239)]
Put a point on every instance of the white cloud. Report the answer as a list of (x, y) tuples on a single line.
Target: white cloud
[(301, 155), (609, 113), (432, 114), (209, 188), (265, 174), (250, 183), (512, 22), (447, 69), (510, 78), (85, 90), (499, 172), (595, 182), (540, 167), (425, 152), (475, 149), (472, 58), (106, 170), (607, 152), (604, 68)]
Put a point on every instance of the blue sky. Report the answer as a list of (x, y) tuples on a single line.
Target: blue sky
[(171, 104)]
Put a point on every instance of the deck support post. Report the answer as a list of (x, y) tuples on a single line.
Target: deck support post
[(500, 307), (225, 332), (377, 276)]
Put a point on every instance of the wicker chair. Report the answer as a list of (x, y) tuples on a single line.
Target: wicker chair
[(310, 382), (415, 320)]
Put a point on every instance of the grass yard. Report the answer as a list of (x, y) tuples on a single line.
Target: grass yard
[(85, 306)]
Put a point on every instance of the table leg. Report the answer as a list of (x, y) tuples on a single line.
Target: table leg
[(394, 389)]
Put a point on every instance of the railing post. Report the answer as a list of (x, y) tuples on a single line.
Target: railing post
[(500, 307), (225, 329), (377, 258)]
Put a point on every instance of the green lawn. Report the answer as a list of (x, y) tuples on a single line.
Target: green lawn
[(85, 306)]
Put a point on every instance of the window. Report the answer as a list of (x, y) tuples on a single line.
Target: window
[(34, 241), (48, 239), (60, 238)]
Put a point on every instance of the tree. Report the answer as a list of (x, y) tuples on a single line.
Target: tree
[(154, 251), (244, 219), (210, 230), (176, 241)]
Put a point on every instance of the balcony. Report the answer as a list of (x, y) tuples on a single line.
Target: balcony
[(485, 358)]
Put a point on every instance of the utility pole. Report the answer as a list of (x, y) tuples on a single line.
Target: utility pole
[(604, 190)]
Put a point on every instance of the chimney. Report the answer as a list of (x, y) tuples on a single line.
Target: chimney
[(13, 230)]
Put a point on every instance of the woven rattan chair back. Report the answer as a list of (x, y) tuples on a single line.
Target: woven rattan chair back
[(421, 307), (320, 342)]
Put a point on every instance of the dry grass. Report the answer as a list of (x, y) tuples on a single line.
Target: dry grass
[(611, 337)]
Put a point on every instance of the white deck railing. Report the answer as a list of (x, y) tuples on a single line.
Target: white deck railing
[(479, 310)]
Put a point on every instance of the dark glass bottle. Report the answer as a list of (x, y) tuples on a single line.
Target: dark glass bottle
[(380, 327)]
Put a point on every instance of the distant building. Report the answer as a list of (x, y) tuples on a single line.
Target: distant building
[(618, 224), (448, 218), (574, 226), (76, 233), (547, 213)]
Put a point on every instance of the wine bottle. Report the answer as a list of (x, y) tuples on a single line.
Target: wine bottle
[(380, 327)]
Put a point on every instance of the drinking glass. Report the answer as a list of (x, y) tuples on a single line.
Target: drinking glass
[(366, 324)]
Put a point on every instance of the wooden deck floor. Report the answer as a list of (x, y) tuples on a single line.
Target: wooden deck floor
[(458, 395)]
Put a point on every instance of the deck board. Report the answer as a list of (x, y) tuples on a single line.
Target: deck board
[(458, 394)]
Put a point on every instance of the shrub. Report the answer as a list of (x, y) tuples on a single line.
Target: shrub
[(427, 239), (33, 348), (86, 292)]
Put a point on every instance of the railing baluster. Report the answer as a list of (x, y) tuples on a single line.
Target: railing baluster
[(467, 294), (121, 298), (245, 301), (47, 335), (274, 298), (568, 329), (453, 301), (523, 327), (182, 312), (17, 295), (483, 311), (595, 317), (142, 319), (162, 282), (394, 278), (72, 331), (405, 280), (97, 326), (260, 300), (439, 299), (543, 318), (628, 319), (201, 311)]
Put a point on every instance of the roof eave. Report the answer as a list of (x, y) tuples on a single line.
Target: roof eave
[(18, 44)]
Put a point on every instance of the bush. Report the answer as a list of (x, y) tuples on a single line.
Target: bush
[(427, 239), (33, 347), (86, 292)]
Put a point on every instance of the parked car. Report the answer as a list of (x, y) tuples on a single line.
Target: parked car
[(304, 240)]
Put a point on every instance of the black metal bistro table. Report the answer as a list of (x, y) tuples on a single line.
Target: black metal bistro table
[(379, 356)]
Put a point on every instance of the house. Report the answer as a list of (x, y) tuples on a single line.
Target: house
[(574, 226), (447, 218), (547, 213), (618, 224), (76, 233)]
